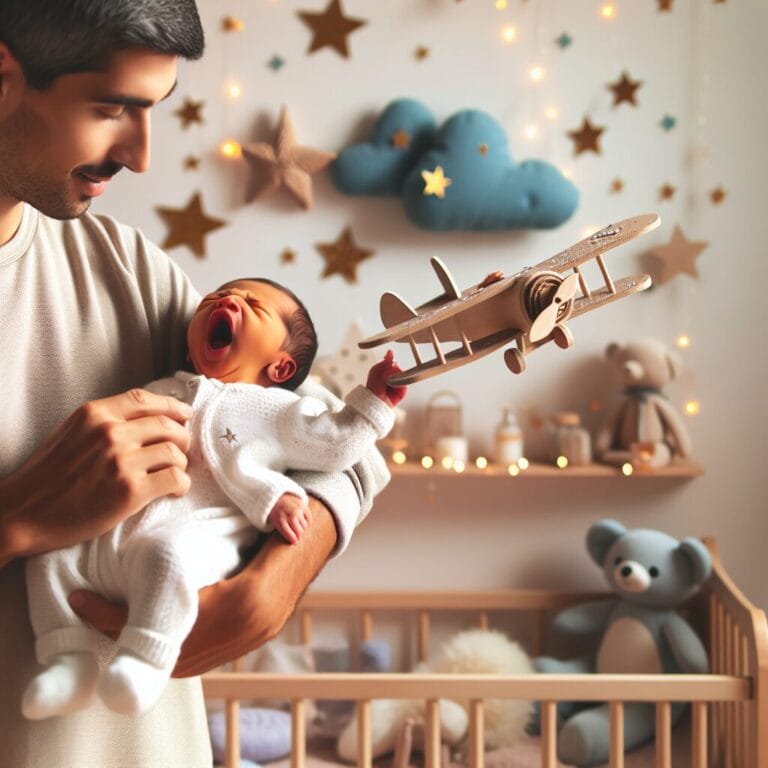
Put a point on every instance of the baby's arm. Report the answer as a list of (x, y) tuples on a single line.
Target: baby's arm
[(290, 517)]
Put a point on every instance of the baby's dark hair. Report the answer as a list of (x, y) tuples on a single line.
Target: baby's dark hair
[(301, 339)]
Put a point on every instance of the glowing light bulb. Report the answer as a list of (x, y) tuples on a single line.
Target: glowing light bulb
[(509, 34), (683, 341), (447, 462), (230, 149), (427, 462), (608, 11), (398, 457), (459, 466), (627, 469), (523, 463), (537, 74), (552, 113), (693, 407), (562, 462), (531, 131), (501, 5), (513, 470), (481, 462), (234, 91)]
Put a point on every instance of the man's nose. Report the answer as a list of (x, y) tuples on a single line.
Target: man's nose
[(132, 149)]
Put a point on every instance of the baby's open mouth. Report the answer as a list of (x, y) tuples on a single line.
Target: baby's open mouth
[(220, 330)]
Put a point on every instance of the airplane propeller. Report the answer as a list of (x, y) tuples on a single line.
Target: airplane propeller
[(546, 320)]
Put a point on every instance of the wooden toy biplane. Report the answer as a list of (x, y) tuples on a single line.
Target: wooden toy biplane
[(527, 309)]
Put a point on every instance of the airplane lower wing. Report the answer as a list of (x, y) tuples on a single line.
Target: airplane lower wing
[(624, 286)]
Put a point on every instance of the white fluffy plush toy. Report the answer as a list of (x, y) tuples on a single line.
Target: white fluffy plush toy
[(476, 651)]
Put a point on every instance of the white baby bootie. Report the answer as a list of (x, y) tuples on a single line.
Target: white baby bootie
[(130, 685), (66, 686)]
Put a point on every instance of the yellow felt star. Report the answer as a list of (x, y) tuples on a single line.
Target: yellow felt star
[(343, 256), (284, 164), (189, 225), (436, 182), (678, 256), (189, 112), (586, 138), (330, 28)]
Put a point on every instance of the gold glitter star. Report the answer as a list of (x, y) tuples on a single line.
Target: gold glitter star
[(435, 182), (717, 195), (191, 163), (343, 256), (287, 256), (421, 53), (401, 139), (678, 256), (586, 138), (617, 185), (624, 90), (189, 225), (330, 28), (232, 24), (230, 437), (483, 148), (189, 112), (666, 191)]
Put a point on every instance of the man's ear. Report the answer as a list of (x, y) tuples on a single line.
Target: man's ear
[(282, 369), (12, 81)]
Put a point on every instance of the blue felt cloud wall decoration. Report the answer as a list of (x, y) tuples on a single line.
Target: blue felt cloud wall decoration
[(488, 190), (403, 132)]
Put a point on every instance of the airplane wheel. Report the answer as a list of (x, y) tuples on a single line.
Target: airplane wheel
[(562, 336), (514, 359)]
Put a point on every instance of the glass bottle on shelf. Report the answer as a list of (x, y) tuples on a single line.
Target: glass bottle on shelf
[(573, 441), (508, 440)]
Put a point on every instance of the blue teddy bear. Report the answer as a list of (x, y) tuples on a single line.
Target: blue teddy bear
[(637, 631)]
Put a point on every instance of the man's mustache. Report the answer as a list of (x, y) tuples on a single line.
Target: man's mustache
[(104, 171)]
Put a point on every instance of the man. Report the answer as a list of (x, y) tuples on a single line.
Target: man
[(87, 307)]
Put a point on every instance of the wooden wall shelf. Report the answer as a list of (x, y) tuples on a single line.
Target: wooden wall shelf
[(414, 469)]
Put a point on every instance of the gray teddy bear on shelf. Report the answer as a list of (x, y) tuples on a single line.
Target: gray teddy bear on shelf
[(636, 631)]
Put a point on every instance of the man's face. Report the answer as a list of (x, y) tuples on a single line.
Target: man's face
[(237, 333), (60, 147)]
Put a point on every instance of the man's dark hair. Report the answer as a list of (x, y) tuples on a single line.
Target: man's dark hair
[(301, 337), (51, 38)]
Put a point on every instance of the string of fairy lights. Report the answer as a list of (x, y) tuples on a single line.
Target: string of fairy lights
[(510, 34)]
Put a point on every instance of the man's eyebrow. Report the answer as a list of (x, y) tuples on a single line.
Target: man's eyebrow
[(131, 101)]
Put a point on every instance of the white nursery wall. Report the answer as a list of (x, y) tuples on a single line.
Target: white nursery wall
[(702, 63)]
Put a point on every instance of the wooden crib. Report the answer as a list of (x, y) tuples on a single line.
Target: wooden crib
[(729, 706)]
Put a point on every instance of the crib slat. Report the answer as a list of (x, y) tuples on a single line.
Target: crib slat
[(699, 735), (616, 753), (432, 734), (476, 734), (548, 734), (423, 635), (298, 733), (306, 627), (366, 625), (364, 734), (482, 620), (232, 738), (663, 734)]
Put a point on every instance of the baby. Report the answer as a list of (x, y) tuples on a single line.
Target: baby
[(250, 343)]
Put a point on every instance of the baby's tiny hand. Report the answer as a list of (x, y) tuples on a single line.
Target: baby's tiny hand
[(377, 380), (290, 517)]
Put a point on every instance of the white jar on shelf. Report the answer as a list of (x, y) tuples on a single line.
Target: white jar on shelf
[(508, 440), (573, 441)]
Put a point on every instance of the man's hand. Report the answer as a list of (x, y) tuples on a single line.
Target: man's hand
[(243, 612), (290, 517), (107, 461)]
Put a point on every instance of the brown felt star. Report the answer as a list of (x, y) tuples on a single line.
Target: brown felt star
[(421, 53), (330, 28), (343, 256), (189, 112), (586, 138), (678, 256), (666, 191), (401, 139), (665, 6), (189, 225), (284, 164), (624, 90), (191, 163), (617, 185), (287, 256), (717, 195)]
